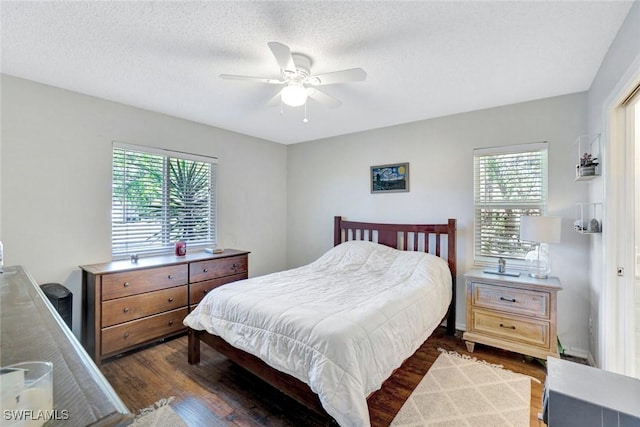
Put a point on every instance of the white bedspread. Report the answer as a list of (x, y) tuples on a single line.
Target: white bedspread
[(341, 324)]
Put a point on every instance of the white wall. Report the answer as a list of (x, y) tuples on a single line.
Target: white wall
[(331, 177), (56, 181), (622, 58)]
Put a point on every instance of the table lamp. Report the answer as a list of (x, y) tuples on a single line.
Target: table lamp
[(541, 230)]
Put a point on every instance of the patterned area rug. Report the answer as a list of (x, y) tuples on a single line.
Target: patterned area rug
[(461, 391), (159, 414)]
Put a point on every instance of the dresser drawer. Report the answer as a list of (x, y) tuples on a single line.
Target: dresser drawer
[(511, 300), (216, 268), (198, 290), (120, 337), (124, 284), (135, 307), (527, 331)]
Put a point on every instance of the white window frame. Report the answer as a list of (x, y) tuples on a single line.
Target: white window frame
[(538, 204), (123, 229)]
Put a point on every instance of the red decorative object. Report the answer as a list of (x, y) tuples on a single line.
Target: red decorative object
[(181, 248)]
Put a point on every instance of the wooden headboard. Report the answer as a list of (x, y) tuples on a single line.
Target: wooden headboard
[(407, 237)]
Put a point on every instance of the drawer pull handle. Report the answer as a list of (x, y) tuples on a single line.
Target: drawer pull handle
[(170, 322), (205, 291), (507, 299), (507, 327), (170, 277), (170, 299), (205, 270), (234, 266), (126, 335), (126, 284), (126, 309)]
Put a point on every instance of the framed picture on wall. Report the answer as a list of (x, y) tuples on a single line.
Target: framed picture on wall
[(393, 178)]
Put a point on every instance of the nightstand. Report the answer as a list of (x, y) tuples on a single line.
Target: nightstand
[(513, 313)]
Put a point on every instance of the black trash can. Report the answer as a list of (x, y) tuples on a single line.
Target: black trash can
[(61, 298)]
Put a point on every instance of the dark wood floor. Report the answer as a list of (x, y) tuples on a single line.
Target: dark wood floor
[(216, 392)]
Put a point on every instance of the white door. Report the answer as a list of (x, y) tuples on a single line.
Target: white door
[(634, 117), (629, 237), (620, 302)]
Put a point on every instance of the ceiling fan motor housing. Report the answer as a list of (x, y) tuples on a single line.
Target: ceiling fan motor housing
[(303, 69), (303, 63)]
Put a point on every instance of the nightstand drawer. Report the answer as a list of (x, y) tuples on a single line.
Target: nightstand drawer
[(215, 268), (135, 307), (526, 331), (140, 281), (511, 300), (120, 337)]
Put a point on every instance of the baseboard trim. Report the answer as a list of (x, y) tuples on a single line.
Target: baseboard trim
[(582, 354)]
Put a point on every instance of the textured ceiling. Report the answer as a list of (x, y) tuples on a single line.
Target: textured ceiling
[(423, 59)]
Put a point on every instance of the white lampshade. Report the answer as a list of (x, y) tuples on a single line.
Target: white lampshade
[(541, 229), (294, 95)]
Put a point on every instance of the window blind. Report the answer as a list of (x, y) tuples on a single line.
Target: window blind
[(160, 197), (508, 182)]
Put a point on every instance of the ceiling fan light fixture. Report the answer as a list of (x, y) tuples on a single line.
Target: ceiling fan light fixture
[(297, 82), (294, 95)]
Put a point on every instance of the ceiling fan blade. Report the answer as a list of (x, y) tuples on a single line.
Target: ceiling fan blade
[(323, 98), (283, 56), (253, 79), (275, 100), (344, 76)]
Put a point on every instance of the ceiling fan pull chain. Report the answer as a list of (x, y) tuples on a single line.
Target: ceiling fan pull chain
[(281, 108), (305, 120)]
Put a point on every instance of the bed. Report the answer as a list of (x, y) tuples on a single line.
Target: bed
[(330, 333)]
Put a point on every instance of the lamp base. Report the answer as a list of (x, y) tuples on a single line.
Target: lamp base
[(538, 262)]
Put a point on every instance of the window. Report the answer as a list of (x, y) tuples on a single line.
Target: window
[(160, 197), (508, 182)]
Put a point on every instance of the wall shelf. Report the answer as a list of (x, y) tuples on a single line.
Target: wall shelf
[(588, 218), (589, 157)]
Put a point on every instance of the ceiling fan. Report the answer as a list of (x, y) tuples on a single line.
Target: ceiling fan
[(299, 83)]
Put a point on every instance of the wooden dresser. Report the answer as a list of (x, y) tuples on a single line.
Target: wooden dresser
[(513, 313), (127, 305)]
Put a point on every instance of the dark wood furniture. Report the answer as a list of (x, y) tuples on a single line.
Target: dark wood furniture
[(127, 305), (33, 331), (422, 237), (210, 273)]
